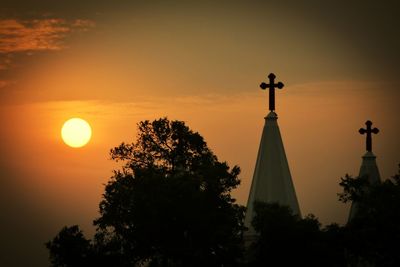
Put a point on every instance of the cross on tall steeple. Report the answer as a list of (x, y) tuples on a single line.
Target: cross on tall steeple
[(369, 131), (272, 180), (271, 85)]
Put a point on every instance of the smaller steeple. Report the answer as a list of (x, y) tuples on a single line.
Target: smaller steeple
[(368, 168)]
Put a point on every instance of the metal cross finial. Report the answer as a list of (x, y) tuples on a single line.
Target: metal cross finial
[(369, 131), (271, 85)]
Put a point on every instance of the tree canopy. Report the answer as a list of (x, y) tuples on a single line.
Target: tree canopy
[(367, 240), (285, 239), (69, 248), (372, 233), (170, 204)]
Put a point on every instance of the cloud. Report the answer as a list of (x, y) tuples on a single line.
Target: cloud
[(38, 34), (5, 83), (83, 24), (19, 38)]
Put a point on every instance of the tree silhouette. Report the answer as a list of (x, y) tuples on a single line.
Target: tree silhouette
[(371, 235), (285, 239), (70, 248), (169, 204)]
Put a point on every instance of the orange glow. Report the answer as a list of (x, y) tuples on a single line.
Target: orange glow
[(38, 34), (118, 64)]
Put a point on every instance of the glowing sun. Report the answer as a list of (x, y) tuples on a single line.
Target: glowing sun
[(76, 132)]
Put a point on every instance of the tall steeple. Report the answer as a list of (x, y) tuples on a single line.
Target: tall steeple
[(272, 181), (368, 168)]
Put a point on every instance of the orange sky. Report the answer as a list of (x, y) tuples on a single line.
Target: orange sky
[(114, 66)]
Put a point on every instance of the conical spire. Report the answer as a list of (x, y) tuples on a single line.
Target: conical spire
[(272, 181), (368, 168)]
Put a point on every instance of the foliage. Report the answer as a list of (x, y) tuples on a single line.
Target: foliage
[(353, 188), (285, 239), (376, 227), (170, 203), (69, 248)]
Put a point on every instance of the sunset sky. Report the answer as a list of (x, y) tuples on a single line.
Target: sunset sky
[(115, 63)]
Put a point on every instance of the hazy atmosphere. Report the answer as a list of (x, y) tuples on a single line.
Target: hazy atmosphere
[(117, 63)]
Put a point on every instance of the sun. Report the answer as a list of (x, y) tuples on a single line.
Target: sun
[(76, 132)]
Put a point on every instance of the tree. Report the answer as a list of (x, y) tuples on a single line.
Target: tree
[(169, 204), (371, 234), (69, 248), (285, 239)]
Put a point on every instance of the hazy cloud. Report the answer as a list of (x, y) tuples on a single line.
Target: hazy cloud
[(83, 24), (5, 61), (20, 38), (5, 83), (38, 34)]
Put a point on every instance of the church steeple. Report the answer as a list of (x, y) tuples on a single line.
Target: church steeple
[(368, 168), (272, 181)]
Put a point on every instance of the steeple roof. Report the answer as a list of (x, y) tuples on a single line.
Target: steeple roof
[(368, 167), (272, 181)]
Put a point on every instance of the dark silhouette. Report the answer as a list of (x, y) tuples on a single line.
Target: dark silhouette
[(370, 239), (372, 236), (70, 248), (286, 239), (271, 86), (169, 205), (369, 131)]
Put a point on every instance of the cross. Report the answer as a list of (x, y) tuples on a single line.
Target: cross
[(369, 131), (271, 85)]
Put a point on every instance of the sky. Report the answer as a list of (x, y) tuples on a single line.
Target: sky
[(115, 63)]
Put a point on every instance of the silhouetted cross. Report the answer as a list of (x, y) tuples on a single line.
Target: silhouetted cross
[(369, 131), (271, 85)]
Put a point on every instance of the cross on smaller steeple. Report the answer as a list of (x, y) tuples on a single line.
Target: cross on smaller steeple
[(271, 85), (369, 131)]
